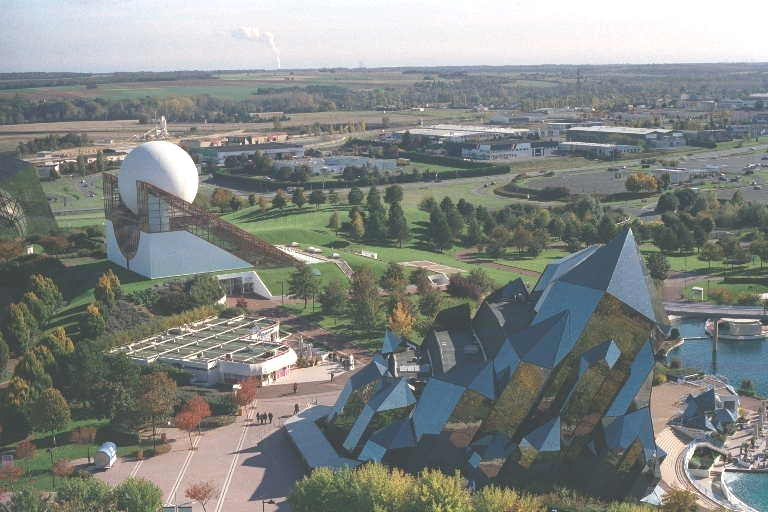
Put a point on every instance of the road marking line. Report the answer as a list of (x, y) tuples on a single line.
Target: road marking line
[(232, 465), (136, 468), (183, 470)]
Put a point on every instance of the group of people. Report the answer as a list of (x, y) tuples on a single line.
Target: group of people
[(264, 417)]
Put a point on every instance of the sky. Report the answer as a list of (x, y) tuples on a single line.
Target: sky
[(155, 35)]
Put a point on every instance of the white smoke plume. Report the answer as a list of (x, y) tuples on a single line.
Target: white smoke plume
[(254, 34)]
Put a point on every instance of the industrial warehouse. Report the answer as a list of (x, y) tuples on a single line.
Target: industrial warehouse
[(220, 351)]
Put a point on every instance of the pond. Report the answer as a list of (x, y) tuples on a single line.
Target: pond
[(736, 360)]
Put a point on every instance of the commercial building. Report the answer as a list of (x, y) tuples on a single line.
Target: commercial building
[(153, 229), (657, 138), (550, 384), (234, 140), (274, 150), (461, 133), (596, 149), (560, 128), (677, 176), (219, 351), (507, 150)]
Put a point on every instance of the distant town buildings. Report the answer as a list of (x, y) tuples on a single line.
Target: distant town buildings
[(507, 150), (273, 150), (657, 138), (460, 133), (596, 149)]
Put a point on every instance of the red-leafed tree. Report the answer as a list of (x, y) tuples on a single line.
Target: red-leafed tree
[(247, 392), (202, 492), (187, 421)]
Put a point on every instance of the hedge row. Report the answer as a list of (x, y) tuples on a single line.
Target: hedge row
[(158, 324), (447, 161), (259, 184)]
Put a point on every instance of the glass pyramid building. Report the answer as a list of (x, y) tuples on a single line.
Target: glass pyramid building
[(541, 388)]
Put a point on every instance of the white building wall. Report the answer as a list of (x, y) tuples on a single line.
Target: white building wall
[(173, 253)]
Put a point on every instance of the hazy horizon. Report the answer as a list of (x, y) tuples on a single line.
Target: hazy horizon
[(139, 35)]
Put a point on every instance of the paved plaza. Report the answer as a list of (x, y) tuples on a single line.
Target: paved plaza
[(248, 462)]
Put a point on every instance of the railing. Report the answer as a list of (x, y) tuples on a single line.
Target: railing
[(344, 267), (175, 214)]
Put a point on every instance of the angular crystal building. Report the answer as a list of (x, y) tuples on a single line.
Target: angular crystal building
[(544, 387)]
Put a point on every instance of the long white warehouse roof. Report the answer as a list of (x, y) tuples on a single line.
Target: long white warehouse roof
[(626, 130)]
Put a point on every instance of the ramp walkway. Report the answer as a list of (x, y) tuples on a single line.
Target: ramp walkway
[(315, 449)]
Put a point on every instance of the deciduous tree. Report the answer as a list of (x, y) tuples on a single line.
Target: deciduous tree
[(20, 327), (298, 198), (334, 222), (658, 266), (302, 283), (355, 196), (202, 492), (393, 194), (365, 303), (317, 197), (187, 421), (401, 320), (333, 298), (358, 226), (279, 200), (157, 395), (138, 495)]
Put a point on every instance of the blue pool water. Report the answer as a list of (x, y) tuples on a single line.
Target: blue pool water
[(736, 360), (751, 488)]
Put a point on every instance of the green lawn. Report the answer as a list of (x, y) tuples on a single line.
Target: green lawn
[(691, 263), (81, 220), (68, 193), (38, 468), (307, 226), (537, 264), (734, 289)]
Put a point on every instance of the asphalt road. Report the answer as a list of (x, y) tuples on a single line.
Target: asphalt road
[(709, 310)]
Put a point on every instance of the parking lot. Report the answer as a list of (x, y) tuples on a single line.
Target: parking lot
[(731, 163)]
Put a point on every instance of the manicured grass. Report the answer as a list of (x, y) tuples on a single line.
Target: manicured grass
[(38, 468), (81, 220), (691, 263), (68, 193), (734, 289), (308, 227), (277, 278), (537, 264)]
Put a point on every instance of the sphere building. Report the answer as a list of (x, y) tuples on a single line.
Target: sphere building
[(153, 229)]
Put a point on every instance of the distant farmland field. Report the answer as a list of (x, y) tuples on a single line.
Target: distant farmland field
[(233, 86), (225, 89)]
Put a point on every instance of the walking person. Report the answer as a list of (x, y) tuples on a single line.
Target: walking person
[(264, 417), (295, 388), (295, 409), (269, 415)]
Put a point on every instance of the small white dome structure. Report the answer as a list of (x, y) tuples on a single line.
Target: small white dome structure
[(162, 164), (106, 456)]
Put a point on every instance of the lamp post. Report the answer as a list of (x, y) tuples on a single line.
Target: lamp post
[(263, 502)]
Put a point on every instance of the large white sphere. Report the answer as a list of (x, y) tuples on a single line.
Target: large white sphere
[(162, 164)]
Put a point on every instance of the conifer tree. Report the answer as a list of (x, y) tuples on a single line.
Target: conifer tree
[(397, 226)]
